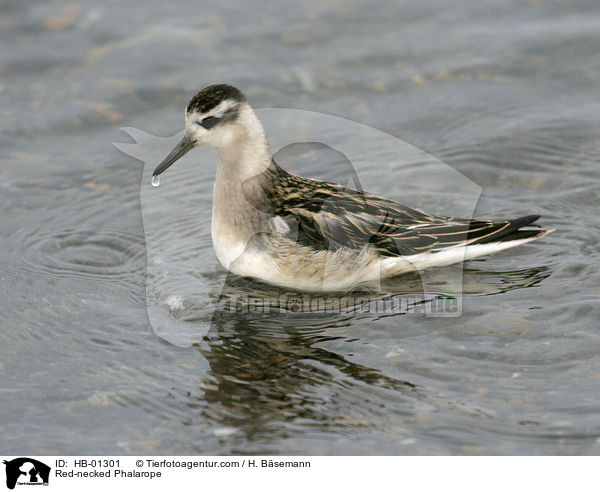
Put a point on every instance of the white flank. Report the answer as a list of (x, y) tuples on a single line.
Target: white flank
[(450, 256)]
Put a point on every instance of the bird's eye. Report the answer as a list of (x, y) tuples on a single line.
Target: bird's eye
[(209, 122)]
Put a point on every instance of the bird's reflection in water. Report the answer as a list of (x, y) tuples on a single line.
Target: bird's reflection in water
[(271, 371), (275, 370)]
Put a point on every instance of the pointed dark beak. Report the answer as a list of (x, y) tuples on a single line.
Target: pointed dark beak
[(183, 147)]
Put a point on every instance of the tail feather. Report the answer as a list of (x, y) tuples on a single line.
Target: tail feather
[(513, 232)]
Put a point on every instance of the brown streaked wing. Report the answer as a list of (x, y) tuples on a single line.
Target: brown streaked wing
[(329, 216)]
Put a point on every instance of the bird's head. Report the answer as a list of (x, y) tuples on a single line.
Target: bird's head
[(212, 117)]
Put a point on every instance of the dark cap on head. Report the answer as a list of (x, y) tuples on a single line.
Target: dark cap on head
[(211, 96)]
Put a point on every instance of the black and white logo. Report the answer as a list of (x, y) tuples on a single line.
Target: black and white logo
[(26, 471)]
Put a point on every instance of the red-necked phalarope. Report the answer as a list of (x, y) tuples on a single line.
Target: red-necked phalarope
[(311, 235)]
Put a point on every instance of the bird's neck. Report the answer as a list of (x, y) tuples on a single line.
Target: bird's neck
[(240, 187), (246, 152)]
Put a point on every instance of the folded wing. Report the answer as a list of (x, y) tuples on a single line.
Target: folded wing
[(328, 216)]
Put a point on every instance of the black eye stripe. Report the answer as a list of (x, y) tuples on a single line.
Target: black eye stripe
[(209, 122)]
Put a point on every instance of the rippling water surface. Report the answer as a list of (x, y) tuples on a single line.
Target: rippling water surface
[(504, 92)]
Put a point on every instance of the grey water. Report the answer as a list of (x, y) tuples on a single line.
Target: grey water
[(506, 93)]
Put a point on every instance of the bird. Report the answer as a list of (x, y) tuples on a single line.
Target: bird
[(308, 235)]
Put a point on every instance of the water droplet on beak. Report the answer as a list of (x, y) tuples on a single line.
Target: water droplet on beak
[(155, 180)]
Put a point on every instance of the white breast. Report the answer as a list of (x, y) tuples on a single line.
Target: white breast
[(227, 247)]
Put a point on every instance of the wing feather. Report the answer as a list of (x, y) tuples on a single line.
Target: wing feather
[(329, 216)]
